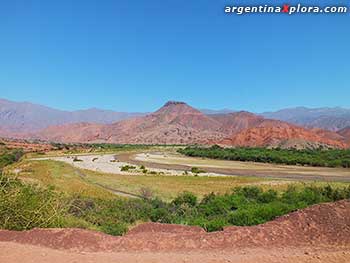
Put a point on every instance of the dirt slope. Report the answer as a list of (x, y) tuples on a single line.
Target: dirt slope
[(320, 225), (320, 233)]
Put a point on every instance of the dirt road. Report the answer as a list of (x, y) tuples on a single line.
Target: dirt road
[(17, 253)]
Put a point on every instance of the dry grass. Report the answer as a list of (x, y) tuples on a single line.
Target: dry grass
[(71, 180), (62, 177), (167, 187)]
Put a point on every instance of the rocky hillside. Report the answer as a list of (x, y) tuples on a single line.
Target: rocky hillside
[(179, 123), (272, 133), (345, 133), (174, 123)]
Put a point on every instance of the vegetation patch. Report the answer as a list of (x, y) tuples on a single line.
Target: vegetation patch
[(8, 156), (25, 206), (196, 170), (317, 158), (68, 197), (126, 168)]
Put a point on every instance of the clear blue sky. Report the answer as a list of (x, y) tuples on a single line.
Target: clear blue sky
[(135, 55)]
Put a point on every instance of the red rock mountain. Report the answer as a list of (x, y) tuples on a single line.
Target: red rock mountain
[(276, 133), (233, 123), (76, 132), (345, 133), (178, 123), (174, 123)]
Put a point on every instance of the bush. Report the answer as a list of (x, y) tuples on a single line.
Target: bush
[(259, 214), (9, 157), (161, 215), (196, 170), (126, 168), (24, 206), (115, 229), (268, 196), (185, 198)]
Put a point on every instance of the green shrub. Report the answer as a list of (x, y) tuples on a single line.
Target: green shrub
[(196, 170), (115, 229), (185, 198), (126, 168), (8, 157), (24, 206), (268, 196)]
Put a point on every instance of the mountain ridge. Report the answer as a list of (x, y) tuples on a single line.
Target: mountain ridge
[(174, 123), (333, 119), (179, 123), (28, 117)]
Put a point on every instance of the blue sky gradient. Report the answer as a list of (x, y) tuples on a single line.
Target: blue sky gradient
[(135, 55)]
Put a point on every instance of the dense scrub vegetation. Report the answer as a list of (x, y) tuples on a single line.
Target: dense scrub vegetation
[(322, 158), (24, 206), (8, 157)]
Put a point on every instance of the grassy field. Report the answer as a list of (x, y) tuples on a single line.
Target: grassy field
[(86, 183), (69, 179), (61, 176)]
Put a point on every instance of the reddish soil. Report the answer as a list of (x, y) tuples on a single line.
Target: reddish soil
[(320, 233)]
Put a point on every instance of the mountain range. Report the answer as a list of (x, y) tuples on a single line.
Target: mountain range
[(29, 117), (174, 123), (333, 119)]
